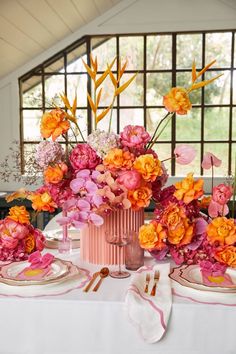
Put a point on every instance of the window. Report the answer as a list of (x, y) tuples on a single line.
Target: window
[(162, 61)]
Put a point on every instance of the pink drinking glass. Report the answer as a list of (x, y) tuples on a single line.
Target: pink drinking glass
[(119, 240)]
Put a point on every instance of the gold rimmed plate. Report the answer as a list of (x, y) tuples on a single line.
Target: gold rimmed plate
[(54, 237), (177, 275), (60, 271)]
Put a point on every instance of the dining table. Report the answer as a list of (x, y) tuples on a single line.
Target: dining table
[(71, 321)]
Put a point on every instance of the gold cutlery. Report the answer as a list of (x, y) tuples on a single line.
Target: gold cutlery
[(148, 278), (156, 279), (104, 272), (94, 276)]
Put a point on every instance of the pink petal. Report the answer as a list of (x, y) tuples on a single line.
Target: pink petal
[(201, 225), (185, 154), (77, 184), (91, 186), (83, 205), (83, 174), (97, 220), (47, 259), (210, 160), (214, 209)]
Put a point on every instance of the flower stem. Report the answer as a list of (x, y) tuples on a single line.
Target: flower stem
[(212, 175), (110, 119), (152, 143), (234, 190)]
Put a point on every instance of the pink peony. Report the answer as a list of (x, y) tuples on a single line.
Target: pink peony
[(12, 229), (83, 156), (184, 154), (134, 136), (222, 193), (210, 160), (130, 179)]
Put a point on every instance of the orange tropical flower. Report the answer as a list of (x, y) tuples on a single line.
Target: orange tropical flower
[(140, 197), (222, 231), (148, 166), (182, 234), (173, 215), (54, 124), (19, 214), (151, 236), (29, 243), (226, 255), (42, 202), (177, 100), (188, 190), (205, 202), (54, 174), (117, 159)]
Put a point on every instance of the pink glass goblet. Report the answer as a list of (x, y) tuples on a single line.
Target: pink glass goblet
[(119, 240)]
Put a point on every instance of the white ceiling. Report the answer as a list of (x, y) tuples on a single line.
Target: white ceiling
[(28, 27)]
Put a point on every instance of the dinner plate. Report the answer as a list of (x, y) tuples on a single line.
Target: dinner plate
[(60, 271), (177, 275), (54, 237)]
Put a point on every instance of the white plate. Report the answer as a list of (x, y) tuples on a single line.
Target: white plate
[(9, 273), (177, 275), (54, 237)]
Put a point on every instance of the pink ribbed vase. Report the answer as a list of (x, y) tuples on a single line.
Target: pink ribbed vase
[(93, 246)]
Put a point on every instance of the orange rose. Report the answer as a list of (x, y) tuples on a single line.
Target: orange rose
[(151, 236), (173, 215), (148, 166), (29, 243), (54, 124), (177, 100), (117, 159), (42, 202), (19, 214), (182, 234), (226, 255), (188, 190), (53, 174), (140, 197), (221, 230)]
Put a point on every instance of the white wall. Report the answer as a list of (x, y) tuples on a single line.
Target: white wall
[(129, 16)]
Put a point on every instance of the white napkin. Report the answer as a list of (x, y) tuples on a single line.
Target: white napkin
[(150, 314)]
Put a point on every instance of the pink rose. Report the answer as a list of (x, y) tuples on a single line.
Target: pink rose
[(130, 179), (134, 136), (83, 156), (9, 241), (222, 194)]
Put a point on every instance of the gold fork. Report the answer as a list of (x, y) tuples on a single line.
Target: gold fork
[(156, 279), (148, 278)]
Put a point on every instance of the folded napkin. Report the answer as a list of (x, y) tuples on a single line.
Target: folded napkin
[(150, 314)]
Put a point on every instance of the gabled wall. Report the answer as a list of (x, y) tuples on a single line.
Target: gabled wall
[(129, 16)]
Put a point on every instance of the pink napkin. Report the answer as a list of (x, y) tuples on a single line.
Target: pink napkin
[(150, 314)]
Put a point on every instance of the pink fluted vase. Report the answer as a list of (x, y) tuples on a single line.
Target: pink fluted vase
[(93, 246)]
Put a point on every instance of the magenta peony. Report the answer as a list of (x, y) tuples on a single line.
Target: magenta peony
[(83, 156), (134, 136)]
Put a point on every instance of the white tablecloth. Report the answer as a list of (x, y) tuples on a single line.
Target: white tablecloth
[(89, 323)]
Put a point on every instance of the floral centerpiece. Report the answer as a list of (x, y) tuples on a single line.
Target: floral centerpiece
[(18, 238), (111, 172)]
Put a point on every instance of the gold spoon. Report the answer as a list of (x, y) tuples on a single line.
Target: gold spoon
[(104, 272), (94, 276)]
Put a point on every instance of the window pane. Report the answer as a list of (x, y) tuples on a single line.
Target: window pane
[(189, 126), (105, 50), (218, 46), (234, 87), (184, 79), (133, 95), (74, 59), (104, 123), (159, 52), (158, 84), (164, 152), (218, 92), (189, 48), (132, 49), (216, 124), (54, 85), (55, 66), (81, 115), (153, 118), (222, 152), (77, 84), (132, 116), (107, 92), (32, 92), (31, 125), (234, 124), (194, 166), (233, 159), (29, 153)]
